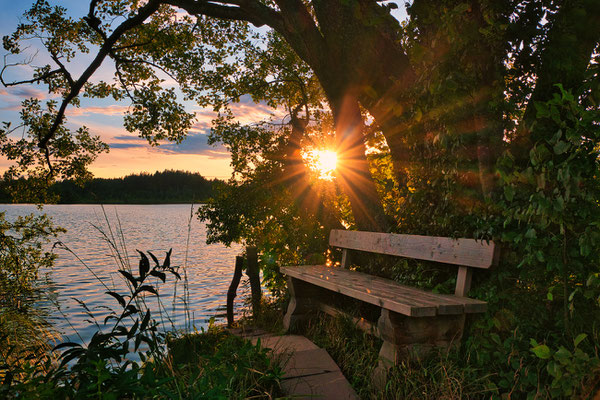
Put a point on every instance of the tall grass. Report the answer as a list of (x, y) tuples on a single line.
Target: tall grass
[(440, 376), (129, 356)]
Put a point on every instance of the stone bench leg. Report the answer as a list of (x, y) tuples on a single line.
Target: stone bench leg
[(413, 337), (301, 306)]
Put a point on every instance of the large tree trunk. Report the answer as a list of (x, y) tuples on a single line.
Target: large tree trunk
[(574, 35), (363, 56), (343, 53), (353, 167), (374, 65), (295, 177)]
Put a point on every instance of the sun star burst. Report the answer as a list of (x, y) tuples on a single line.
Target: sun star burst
[(322, 161)]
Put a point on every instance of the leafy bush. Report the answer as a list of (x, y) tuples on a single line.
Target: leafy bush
[(22, 254)]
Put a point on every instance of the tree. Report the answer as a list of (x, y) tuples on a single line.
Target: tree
[(474, 68), (474, 118)]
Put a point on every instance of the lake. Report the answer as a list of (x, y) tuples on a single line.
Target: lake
[(155, 228)]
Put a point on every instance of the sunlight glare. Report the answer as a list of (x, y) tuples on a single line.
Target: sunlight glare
[(323, 162)]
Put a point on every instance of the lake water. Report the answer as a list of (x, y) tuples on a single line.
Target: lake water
[(155, 228)]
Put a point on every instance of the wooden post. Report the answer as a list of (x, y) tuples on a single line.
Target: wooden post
[(231, 293), (302, 304), (345, 259), (463, 281), (253, 274)]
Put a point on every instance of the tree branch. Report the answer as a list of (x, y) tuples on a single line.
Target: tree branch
[(251, 11), (25, 62), (62, 69), (302, 34), (143, 13)]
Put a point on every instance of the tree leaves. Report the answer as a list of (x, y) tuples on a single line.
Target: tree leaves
[(542, 351)]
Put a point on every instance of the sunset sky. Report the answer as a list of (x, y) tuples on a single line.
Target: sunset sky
[(128, 153)]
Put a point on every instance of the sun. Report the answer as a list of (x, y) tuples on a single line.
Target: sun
[(322, 161)]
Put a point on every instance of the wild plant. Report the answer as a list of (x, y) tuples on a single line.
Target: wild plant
[(103, 368)]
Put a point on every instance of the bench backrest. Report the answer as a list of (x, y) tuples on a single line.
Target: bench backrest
[(463, 252)]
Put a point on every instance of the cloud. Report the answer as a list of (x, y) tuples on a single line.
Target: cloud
[(11, 97), (130, 138), (14, 107), (27, 92), (113, 110), (125, 145), (195, 143), (204, 119), (246, 111)]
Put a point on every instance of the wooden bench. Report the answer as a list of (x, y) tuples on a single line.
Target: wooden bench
[(411, 321)]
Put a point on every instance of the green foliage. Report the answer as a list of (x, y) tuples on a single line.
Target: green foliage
[(101, 369), (23, 251), (67, 157), (558, 368), (567, 369), (550, 207), (216, 364)]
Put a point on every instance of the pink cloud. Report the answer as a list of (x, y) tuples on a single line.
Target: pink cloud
[(12, 97), (245, 111), (114, 109), (13, 107)]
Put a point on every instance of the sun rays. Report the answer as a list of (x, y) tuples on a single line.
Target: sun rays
[(322, 161)]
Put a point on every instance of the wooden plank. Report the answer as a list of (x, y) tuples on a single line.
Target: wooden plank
[(328, 282), (466, 252), (446, 303), (393, 290), (386, 289)]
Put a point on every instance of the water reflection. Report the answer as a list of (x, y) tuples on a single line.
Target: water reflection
[(206, 269)]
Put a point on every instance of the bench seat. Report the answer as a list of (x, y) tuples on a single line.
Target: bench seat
[(384, 293), (411, 321)]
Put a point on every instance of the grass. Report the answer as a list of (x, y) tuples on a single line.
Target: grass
[(356, 352), (216, 364)]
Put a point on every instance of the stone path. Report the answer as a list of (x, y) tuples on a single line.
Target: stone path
[(310, 373)]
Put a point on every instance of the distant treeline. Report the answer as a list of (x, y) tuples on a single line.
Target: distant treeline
[(161, 187)]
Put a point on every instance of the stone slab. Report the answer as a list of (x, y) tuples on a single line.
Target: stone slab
[(327, 386), (287, 343), (309, 362), (309, 371)]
